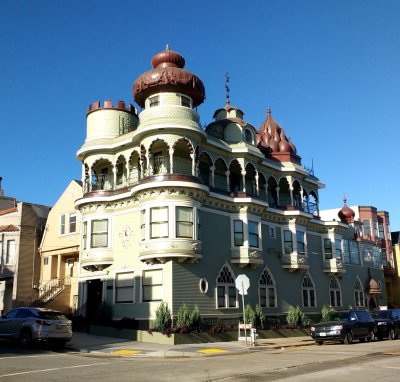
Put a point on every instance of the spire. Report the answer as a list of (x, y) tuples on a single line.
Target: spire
[(228, 102)]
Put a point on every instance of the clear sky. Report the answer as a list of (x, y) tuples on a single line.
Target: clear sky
[(329, 70)]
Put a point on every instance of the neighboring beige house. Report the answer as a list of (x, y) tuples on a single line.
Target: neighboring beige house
[(59, 253), (21, 230)]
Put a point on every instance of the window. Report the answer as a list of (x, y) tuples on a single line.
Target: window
[(375, 224), (267, 290), (184, 222), (381, 231), (45, 261), (328, 249), (308, 290), (226, 289), (84, 236), (62, 225), (143, 224), (384, 257), (72, 223), (253, 234), (248, 137), (124, 287), (99, 234), (158, 222), (185, 101), (335, 294), (338, 249), (154, 101), (354, 253), (272, 233), (287, 242), (358, 293), (10, 254), (346, 251), (377, 257), (238, 236), (152, 285), (367, 227), (301, 248)]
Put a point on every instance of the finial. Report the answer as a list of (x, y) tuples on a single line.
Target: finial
[(344, 198), (227, 88), (268, 110), (167, 47)]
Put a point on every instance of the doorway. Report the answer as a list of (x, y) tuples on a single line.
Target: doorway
[(94, 298)]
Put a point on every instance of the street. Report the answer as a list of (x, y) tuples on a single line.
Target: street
[(331, 362)]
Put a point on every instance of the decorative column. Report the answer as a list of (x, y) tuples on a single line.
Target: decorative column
[(277, 196), (193, 156), (257, 185), (291, 195), (212, 180), (228, 183), (171, 161), (243, 173), (114, 167)]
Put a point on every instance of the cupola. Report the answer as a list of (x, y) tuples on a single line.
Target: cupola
[(168, 75), (346, 214)]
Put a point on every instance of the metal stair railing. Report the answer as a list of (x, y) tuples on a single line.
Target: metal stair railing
[(47, 292)]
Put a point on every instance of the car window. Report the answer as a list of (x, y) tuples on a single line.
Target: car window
[(52, 316), (11, 313), (353, 316), (339, 316), (379, 314), (23, 313)]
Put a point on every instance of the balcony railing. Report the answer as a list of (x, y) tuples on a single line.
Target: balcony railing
[(247, 257), (333, 266), (294, 261)]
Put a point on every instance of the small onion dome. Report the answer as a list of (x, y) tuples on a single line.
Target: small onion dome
[(168, 75), (346, 214), (373, 287), (272, 138)]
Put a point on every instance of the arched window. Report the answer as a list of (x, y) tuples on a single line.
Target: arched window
[(248, 137), (308, 289), (359, 297), (267, 290), (226, 289), (335, 294)]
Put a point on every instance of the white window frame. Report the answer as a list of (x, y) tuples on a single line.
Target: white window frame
[(228, 286), (335, 289), (65, 223), (308, 289), (154, 101), (116, 287), (88, 223), (304, 242), (142, 285), (272, 232), (267, 288), (359, 292), (186, 101), (245, 219), (10, 257)]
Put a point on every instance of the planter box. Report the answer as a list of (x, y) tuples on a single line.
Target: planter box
[(189, 338)]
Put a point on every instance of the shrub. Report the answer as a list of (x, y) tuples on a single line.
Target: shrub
[(326, 312), (250, 315), (195, 318), (183, 317), (295, 316), (163, 318), (260, 317)]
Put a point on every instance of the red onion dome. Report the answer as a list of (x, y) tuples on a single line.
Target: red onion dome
[(168, 75), (346, 214)]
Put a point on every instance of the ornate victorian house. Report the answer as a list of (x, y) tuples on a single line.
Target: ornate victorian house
[(174, 212)]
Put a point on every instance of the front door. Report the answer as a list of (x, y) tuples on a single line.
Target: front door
[(94, 298)]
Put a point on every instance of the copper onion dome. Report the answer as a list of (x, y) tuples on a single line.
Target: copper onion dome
[(168, 75), (346, 214)]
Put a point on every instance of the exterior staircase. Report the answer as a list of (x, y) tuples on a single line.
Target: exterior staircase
[(46, 292)]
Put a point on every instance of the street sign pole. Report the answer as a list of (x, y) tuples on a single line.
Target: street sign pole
[(244, 315)]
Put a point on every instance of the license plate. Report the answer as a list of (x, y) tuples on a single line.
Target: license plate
[(60, 326), (322, 334)]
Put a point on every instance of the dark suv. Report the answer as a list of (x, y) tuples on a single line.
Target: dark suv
[(388, 323), (345, 326)]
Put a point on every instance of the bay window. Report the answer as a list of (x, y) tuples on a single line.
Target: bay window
[(99, 233)]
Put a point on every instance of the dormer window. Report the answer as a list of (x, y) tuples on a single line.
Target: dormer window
[(248, 136), (154, 101), (185, 101)]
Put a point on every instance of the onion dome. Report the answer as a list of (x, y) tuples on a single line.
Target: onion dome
[(168, 75), (346, 214), (373, 287), (272, 138)]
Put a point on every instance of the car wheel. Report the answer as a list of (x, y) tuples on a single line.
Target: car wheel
[(59, 344), (380, 337), (348, 338), (25, 338), (392, 334), (319, 343), (371, 336)]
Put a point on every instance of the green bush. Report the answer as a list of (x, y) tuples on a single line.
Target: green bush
[(260, 317), (163, 318), (183, 317), (250, 315), (295, 316), (326, 312), (195, 318)]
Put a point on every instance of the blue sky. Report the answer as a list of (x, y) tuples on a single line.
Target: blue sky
[(329, 70)]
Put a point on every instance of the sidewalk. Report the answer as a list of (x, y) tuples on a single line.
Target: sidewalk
[(100, 346)]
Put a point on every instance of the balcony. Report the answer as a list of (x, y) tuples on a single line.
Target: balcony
[(333, 266), (159, 251), (294, 261), (247, 257)]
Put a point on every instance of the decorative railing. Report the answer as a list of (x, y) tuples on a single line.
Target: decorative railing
[(294, 261)]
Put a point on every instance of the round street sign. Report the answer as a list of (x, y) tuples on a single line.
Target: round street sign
[(242, 283)]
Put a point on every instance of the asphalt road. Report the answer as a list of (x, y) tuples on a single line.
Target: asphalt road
[(377, 361)]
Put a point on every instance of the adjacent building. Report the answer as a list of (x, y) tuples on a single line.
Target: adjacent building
[(174, 212), (21, 229)]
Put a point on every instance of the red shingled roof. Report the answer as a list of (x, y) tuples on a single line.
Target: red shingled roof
[(8, 228), (8, 211)]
